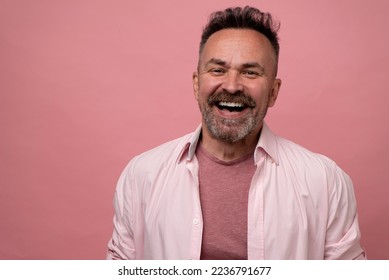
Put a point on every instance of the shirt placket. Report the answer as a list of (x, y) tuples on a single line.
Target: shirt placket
[(197, 220), (255, 234)]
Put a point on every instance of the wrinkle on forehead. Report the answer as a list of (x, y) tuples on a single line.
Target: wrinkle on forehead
[(237, 47)]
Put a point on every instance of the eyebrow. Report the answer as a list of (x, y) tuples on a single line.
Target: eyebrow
[(244, 65), (215, 61), (253, 65)]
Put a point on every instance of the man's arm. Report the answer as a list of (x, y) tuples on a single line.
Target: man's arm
[(343, 234), (121, 245)]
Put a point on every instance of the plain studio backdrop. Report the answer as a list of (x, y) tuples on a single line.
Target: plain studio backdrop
[(87, 85)]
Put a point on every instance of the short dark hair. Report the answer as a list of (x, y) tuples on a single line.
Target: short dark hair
[(243, 18)]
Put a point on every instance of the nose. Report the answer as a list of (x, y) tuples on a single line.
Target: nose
[(232, 82)]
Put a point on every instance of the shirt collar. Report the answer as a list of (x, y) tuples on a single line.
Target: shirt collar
[(189, 148), (267, 143)]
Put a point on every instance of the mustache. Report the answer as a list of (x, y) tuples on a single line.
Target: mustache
[(238, 97)]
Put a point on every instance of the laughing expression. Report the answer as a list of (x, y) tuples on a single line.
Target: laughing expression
[(235, 83)]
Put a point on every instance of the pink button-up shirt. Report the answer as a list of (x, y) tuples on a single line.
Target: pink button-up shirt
[(301, 205)]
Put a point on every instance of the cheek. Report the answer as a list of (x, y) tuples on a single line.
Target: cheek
[(207, 86), (261, 96), (203, 93)]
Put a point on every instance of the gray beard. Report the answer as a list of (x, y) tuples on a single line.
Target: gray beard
[(230, 130)]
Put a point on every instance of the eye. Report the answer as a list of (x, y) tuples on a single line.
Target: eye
[(250, 74), (217, 71)]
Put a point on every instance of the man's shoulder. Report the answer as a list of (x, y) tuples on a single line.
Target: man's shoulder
[(163, 154), (291, 151)]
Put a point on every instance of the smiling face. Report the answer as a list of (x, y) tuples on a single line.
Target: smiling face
[(235, 83)]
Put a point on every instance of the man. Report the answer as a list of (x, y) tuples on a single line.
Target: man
[(233, 189)]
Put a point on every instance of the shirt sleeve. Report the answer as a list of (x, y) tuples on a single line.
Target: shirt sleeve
[(343, 234), (122, 245)]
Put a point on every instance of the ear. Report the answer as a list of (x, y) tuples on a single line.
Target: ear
[(195, 79), (274, 92)]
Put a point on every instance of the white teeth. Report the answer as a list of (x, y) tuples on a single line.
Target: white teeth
[(230, 104)]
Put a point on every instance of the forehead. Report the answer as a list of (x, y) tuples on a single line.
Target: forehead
[(239, 44)]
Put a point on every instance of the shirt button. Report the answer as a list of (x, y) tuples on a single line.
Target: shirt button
[(195, 221)]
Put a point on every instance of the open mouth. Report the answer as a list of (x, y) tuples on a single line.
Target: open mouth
[(231, 106)]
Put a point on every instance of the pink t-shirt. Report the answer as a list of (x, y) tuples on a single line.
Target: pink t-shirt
[(224, 188)]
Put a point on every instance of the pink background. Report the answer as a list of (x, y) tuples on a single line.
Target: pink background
[(86, 85)]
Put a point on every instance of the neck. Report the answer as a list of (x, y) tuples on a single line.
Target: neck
[(227, 151)]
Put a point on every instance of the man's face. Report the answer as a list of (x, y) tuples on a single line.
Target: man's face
[(235, 83)]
